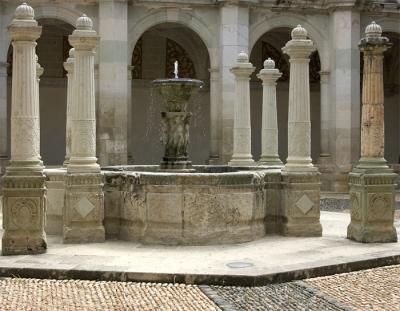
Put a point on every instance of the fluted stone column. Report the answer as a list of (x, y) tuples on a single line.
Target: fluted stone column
[(269, 131), (301, 180), (24, 182), (299, 50), (84, 208), (241, 123), (69, 67), (372, 182)]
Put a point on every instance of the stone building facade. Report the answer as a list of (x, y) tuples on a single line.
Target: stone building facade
[(141, 39)]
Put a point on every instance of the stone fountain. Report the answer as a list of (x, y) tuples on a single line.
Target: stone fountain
[(176, 94)]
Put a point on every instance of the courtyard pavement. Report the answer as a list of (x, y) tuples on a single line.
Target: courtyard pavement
[(271, 259), (374, 289)]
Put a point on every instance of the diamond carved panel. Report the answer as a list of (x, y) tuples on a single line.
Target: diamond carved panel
[(305, 204), (84, 207)]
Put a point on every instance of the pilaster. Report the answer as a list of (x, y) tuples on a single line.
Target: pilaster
[(113, 88), (345, 93), (234, 38), (215, 118)]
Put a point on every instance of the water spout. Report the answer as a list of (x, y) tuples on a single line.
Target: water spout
[(176, 69)]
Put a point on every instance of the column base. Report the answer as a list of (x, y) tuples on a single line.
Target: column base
[(24, 207), (77, 235), (241, 160), (301, 204), (14, 244), (270, 161), (84, 209), (357, 233), (214, 160), (83, 165), (372, 196)]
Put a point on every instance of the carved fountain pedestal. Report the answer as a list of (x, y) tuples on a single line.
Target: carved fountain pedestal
[(176, 94)]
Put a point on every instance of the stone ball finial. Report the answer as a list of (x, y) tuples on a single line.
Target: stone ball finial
[(24, 12), (242, 57), (299, 33), (71, 53), (373, 30), (84, 23), (269, 63)]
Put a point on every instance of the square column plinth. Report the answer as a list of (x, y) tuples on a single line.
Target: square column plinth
[(84, 209), (300, 204), (24, 215), (372, 195)]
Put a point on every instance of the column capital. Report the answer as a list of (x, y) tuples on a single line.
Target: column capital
[(324, 76), (84, 38), (24, 27), (374, 42), (300, 47), (269, 73), (130, 69), (69, 64), (3, 68), (39, 70), (242, 68)]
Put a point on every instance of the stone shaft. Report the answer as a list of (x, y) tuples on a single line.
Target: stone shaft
[(269, 135), (299, 124), (24, 190), (83, 114), (372, 119), (242, 125), (69, 67)]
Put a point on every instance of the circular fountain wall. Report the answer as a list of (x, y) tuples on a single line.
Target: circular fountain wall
[(215, 205)]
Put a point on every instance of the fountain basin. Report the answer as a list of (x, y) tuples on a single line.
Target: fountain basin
[(214, 205)]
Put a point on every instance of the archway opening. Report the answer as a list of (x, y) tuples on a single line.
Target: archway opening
[(153, 58), (391, 78), (52, 50), (270, 45)]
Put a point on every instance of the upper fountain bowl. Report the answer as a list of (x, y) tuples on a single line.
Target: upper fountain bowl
[(176, 92)]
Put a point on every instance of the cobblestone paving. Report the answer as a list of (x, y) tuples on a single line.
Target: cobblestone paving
[(51, 295), (374, 289), (275, 297)]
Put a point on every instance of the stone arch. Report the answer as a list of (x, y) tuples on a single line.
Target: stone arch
[(258, 29), (66, 15), (185, 19)]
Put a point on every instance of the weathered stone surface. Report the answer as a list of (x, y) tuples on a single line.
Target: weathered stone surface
[(191, 208)]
